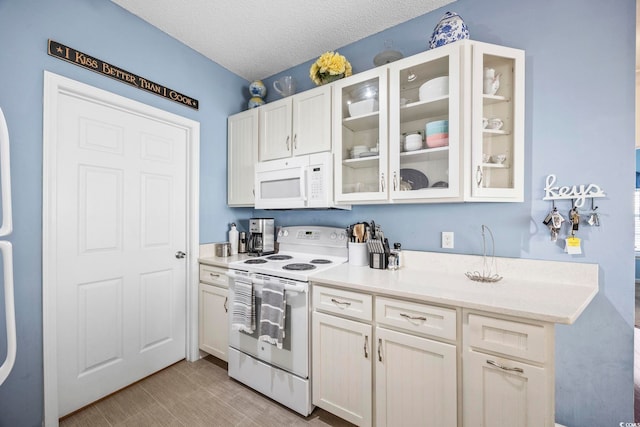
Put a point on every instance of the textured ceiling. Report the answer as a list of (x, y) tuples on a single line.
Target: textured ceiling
[(256, 39)]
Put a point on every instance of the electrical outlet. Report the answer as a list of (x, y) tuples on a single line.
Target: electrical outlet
[(447, 239)]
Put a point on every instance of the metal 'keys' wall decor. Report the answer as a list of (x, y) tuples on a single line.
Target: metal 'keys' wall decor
[(578, 195)]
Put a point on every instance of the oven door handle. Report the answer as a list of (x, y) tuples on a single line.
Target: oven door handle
[(287, 286)]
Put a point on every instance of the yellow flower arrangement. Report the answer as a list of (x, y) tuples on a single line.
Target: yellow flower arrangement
[(329, 67)]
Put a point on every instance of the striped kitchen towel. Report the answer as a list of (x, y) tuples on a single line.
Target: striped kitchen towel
[(272, 313), (243, 317)]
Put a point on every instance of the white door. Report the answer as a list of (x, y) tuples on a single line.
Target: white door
[(120, 208)]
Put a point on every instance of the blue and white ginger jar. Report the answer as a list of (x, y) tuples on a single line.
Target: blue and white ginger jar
[(254, 102), (257, 88), (451, 28)]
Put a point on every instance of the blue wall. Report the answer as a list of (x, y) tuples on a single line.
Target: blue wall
[(577, 127)]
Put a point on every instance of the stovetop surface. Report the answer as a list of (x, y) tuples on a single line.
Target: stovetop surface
[(304, 251)]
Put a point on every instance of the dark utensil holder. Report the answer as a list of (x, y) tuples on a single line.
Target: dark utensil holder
[(378, 260)]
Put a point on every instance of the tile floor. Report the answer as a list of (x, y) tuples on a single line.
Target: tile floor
[(193, 394)]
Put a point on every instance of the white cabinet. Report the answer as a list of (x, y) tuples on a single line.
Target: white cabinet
[(492, 178), (438, 94), (508, 372), (341, 367), (360, 141), (416, 382), (242, 155), (213, 308), (296, 125), (426, 96), (415, 374)]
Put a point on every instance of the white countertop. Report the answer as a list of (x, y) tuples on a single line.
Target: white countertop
[(550, 291)]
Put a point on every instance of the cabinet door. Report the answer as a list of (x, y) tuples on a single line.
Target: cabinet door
[(341, 367), (360, 137), (497, 156), (275, 130), (425, 125), (242, 155), (213, 320), (312, 121), (498, 392), (415, 381)]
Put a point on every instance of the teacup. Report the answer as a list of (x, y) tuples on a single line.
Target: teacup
[(495, 124), (485, 122)]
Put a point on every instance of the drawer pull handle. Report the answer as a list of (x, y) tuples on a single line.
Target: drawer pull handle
[(214, 275), (366, 344), (413, 317), (226, 304), (504, 368), (380, 349), (340, 303)]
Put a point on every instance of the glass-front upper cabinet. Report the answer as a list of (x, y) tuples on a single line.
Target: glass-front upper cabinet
[(360, 121), (497, 123), (425, 121)]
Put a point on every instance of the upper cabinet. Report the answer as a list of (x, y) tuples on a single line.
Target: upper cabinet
[(497, 124), (413, 131), (360, 137), (425, 126), (296, 125), (242, 156)]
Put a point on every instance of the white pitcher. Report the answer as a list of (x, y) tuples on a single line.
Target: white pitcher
[(285, 86), (491, 81)]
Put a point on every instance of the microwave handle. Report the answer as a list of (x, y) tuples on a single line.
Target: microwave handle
[(303, 184)]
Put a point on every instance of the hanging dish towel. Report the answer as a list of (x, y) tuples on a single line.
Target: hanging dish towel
[(272, 313), (243, 316)]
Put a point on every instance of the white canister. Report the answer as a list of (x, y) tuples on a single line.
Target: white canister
[(358, 254), (413, 141)]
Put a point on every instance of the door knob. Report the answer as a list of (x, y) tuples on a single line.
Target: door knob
[(180, 255)]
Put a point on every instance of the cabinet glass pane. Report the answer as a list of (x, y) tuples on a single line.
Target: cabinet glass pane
[(497, 122), (360, 156), (423, 140)]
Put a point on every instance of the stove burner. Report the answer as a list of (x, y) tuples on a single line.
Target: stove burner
[(320, 261), (255, 261), (300, 266), (279, 257)]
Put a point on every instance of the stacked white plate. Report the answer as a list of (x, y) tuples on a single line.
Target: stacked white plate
[(357, 150)]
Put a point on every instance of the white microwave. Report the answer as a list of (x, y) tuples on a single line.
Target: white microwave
[(301, 182)]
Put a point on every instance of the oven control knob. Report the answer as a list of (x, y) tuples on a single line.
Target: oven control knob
[(341, 236), (333, 236), (285, 233)]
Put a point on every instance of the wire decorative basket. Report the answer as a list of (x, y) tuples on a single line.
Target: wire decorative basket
[(489, 270)]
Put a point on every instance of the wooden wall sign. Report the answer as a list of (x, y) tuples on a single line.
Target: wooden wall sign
[(83, 60)]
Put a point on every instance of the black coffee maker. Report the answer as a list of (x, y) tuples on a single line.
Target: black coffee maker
[(261, 236)]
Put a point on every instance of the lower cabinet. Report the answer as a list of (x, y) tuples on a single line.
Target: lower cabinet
[(415, 377), (508, 376), (341, 370), (213, 308), (416, 381), (390, 362)]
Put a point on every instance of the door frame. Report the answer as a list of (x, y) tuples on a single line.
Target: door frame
[(54, 86)]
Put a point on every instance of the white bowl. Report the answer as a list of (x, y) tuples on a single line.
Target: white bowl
[(361, 108), (413, 142), (434, 88)]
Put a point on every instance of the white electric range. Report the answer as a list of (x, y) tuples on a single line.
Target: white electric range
[(283, 374)]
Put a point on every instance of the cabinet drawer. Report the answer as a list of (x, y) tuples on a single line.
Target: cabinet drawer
[(346, 303), (523, 340), (214, 275), (416, 318)]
